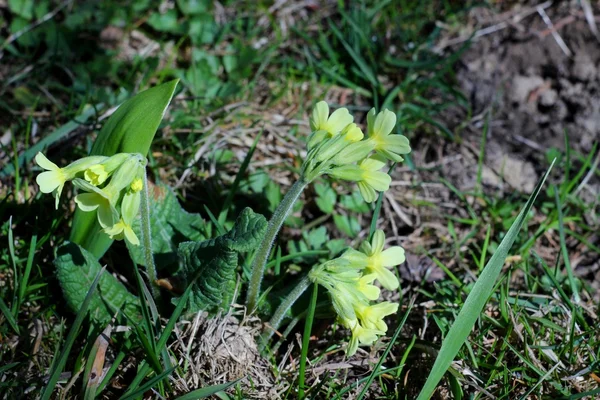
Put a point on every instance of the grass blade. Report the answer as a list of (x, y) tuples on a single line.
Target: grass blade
[(476, 300), (238, 178), (148, 385), (9, 317), (60, 362), (208, 391)]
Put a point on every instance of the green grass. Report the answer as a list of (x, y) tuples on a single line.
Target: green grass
[(536, 335)]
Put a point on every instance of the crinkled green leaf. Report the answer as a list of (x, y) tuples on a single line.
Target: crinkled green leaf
[(76, 269), (129, 130), (212, 263), (247, 231), (170, 225)]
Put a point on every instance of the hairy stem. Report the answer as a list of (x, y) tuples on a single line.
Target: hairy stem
[(306, 340), (283, 308), (147, 238), (262, 254)]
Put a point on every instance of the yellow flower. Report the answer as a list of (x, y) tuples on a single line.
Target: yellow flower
[(379, 260), (102, 200), (137, 185), (54, 178), (368, 176), (366, 287), (372, 316), (333, 124), (130, 207), (360, 335), (379, 130), (51, 181), (373, 180), (96, 174)]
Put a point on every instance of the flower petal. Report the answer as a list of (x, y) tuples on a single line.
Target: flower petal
[(318, 118), (339, 120), (398, 144), (88, 201), (130, 236), (367, 192), (377, 242), (50, 180), (107, 215), (384, 123), (380, 181), (371, 164), (43, 162), (392, 256), (387, 278)]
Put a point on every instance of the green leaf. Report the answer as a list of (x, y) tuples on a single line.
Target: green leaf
[(480, 293), (211, 264), (76, 269), (166, 22), (247, 231), (129, 130), (170, 225), (194, 7), (58, 363), (326, 198)]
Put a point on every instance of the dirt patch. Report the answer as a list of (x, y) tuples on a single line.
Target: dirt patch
[(540, 82)]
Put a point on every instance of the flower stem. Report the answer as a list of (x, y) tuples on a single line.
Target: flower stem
[(147, 238), (283, 308), (306, 339), (262, 254)]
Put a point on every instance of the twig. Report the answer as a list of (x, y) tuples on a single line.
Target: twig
[(559, 40)]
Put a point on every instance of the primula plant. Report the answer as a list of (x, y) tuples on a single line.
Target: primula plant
[(198, 268)]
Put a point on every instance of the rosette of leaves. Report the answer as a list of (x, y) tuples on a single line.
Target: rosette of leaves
[(210, 266)]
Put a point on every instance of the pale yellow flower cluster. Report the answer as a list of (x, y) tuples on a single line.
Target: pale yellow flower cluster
[(350, 279), (111, 187), (338, 147)]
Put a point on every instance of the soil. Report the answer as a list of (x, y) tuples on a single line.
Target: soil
[(538, 97), (536, 91)]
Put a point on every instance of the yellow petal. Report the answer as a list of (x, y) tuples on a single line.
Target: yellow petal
[(392, 256), (339, 120), (318, 119), (380, 181), (367, 192), (50, 180), (43, 162), (384, 123), (378, 241), (88, 201), (130, 236)]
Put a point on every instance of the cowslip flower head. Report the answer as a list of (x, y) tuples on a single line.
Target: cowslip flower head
[(378, 261), (379, 130), (105, 199), (54, 178), (333, 124)]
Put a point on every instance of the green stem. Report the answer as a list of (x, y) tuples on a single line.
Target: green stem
[(262, 254), (283, 308), (147, 238), (306, 339)]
